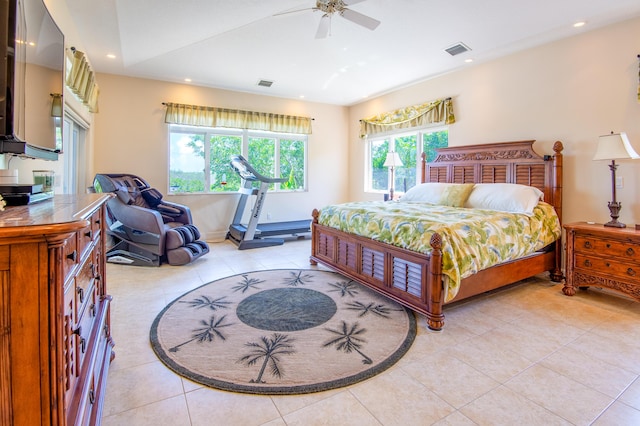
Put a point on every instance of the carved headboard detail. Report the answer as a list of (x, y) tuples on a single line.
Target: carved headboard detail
[(505, 162)]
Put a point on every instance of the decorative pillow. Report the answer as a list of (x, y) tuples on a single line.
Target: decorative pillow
[(430, 192), (506, 197), (456, 195)]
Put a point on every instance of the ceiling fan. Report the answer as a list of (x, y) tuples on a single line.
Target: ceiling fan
[(331, 7)]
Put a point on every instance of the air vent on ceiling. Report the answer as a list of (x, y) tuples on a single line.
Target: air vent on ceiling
[(457, 49), (265, 83)]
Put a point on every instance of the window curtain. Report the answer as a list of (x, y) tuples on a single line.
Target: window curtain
[(194, 115), (438, 111), (81, 80)]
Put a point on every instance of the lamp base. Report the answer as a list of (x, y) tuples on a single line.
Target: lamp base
[(614, 210), (615, 224)]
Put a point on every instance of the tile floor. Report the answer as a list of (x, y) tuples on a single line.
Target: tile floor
[(524, 355)]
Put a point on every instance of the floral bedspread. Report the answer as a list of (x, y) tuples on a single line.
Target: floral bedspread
[(472, 239)]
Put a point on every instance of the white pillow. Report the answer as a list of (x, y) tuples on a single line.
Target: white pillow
[(506, 197), (430, 192)]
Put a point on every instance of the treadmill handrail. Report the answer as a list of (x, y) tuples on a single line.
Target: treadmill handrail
[(246, 172)]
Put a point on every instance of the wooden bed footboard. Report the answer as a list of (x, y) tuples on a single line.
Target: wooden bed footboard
[(414, 279)]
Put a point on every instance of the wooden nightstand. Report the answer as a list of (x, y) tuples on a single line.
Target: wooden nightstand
[(602, 256)]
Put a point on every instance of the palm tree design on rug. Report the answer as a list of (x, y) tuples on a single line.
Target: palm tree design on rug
[(346, 288), (247, 283), (207, 333), (297, 279), (205, 301), (348, 340), (375, 308), (269, 350)]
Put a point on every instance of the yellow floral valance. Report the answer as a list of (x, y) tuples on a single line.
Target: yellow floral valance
[(82, 81), (438, 111), (194, 115)]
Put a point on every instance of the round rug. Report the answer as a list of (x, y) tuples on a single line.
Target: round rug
[(281, 332)]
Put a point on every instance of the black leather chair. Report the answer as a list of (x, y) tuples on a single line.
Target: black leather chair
[(145, 229)]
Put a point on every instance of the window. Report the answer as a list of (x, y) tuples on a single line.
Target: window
[(409, 145), (199, 158)]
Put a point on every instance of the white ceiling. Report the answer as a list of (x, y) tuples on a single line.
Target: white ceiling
[(232, 44)]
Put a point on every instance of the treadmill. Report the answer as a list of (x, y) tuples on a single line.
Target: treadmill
[(254, 234)]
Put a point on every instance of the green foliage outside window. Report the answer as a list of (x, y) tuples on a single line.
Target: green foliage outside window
[(188, 165), (407, 147)]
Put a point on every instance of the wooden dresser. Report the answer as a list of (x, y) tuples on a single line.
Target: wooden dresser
[(602, 256), (55, 340)]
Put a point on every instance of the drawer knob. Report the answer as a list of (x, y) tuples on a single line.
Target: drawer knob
[(608, 245), (631, 272), (78, 331), (89, 234), (587, 244), (630, 252), (587, 262), (73, 256)]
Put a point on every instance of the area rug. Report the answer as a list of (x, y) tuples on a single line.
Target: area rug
[(281, 332)]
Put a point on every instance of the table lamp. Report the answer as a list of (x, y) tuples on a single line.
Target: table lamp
[(614, 147), (392, 161)]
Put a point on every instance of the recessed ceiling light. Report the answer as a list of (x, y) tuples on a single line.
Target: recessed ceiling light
[(111, 56), (579, 24), (188, 80), (468, 60), (301, 96)]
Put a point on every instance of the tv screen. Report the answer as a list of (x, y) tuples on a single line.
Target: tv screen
[(34, 72)]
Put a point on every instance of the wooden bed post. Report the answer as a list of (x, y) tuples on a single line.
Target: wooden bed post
[(435, 284), (315, 215), (556, 274)]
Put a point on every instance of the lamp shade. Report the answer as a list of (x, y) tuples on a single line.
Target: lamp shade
[(392, 160), (615, 146), (56, 105)]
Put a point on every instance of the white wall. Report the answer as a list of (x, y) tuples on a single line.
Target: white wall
[(572, 90), (131, 137)]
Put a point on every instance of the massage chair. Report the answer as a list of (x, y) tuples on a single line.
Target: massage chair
[(146, 230)]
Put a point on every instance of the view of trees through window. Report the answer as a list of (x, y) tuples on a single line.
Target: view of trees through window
[(409, 146), (199, 160)]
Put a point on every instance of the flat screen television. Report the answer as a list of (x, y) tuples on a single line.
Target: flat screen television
[(32, 71)]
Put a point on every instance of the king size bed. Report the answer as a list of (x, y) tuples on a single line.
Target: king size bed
[(493, 212)]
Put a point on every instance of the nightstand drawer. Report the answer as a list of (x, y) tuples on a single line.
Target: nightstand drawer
[(607, 248), (608, 267)]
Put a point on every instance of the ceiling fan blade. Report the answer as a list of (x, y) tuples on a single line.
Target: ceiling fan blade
[(360, 19), (323, 27), (350, 2), (294, 11)]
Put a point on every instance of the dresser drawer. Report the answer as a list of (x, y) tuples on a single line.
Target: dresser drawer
[(84, 331), (607, 267), (90, 233), (607, 248), (70, 256), (71, 369), (85, 284)]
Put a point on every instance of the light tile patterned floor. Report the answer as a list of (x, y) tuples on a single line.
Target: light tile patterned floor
[(525, 355)]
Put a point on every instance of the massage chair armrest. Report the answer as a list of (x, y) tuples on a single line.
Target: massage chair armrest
[(139, 218), (185, 216)]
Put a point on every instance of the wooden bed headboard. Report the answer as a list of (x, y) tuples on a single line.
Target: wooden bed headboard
[(504, 162)]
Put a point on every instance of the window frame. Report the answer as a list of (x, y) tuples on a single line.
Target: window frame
[(391, 137), (245, 135)]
